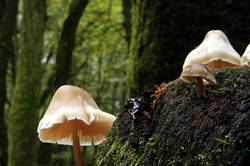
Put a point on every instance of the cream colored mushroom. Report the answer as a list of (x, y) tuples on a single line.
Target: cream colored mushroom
[(215, 52), (245, 59), (198, 72), (73, 118)]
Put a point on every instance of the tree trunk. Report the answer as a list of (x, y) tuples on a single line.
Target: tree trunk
[(127, 6), (62, 73), (164, 32), (7, 31), (23, 117), (1, 10)]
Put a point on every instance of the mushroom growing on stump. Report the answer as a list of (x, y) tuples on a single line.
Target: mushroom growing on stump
[(73, 118), (198, 72), (215, 52), (245, 59)]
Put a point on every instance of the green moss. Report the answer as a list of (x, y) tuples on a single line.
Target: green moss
[(152, 142), (208, 157), (118, 152), (183, 89), (185, 127)]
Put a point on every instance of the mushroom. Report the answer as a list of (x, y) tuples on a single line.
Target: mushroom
[(73, 118), (198, 72), (215, 52), (245, 59)]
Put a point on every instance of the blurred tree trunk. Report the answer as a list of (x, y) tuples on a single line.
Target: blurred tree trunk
[(23, 117), (62, 74), (1, 10), (8, 14), (65, 48), (164, 32), (127, 6)]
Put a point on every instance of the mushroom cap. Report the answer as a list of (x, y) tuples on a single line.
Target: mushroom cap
[(71, 105), (215, 48), (245, 59), (189, 73)]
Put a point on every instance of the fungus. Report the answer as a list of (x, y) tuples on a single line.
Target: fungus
[(245, 59), (73, 118), (198, 72), (215, 52)]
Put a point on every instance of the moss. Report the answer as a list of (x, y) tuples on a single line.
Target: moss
[(209, 156), (183, 88), (120, 152), (185, 129)]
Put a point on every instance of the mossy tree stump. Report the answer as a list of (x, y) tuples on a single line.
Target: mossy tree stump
[(184, 129)]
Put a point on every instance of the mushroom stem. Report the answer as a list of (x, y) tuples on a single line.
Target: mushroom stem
[(200, 86), (76, 145)]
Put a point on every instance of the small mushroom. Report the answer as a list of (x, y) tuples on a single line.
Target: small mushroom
[(73, 118), (215, 52), (245, 59), (198, 72)]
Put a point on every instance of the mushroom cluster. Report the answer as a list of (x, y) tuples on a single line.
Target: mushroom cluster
[(215, 52), (73, 118)]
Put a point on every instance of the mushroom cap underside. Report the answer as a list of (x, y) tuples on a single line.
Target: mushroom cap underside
[(69, 104), (59, 130), (190, 73)]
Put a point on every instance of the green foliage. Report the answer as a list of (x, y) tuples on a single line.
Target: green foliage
[(100, 56)]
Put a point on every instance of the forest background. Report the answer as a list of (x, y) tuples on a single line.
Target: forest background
[(113, 49)]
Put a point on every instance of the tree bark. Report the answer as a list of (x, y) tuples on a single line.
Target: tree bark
[(127, 6), (23, 117), (8, 14), (1, 10), (164, 32)]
